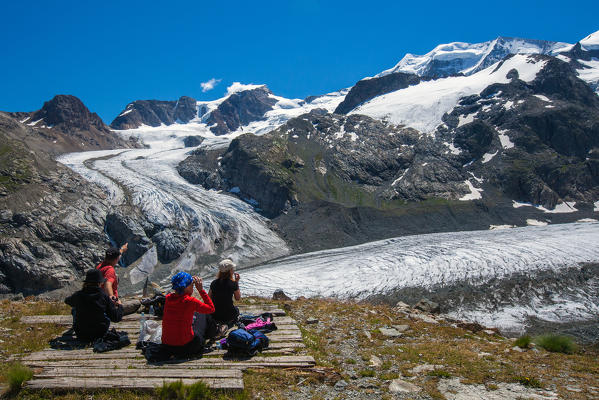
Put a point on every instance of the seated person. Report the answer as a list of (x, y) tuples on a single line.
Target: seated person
[(111, 281), (222, 291), (178, 334), (93, 309)]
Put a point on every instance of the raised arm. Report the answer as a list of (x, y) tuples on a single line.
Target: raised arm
[(237, 293), (207, 307)]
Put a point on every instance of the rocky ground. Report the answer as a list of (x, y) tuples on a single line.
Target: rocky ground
[(366, 351)]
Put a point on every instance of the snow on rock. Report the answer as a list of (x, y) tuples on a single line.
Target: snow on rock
[(466, 119), (561, 208), (469, 58), (544, 98), (590, 74), (590, 42), (422, 106), (534, 222), (508, 105), (596, 209), (488, 157), (452, 148), (240, 87), (493, 227), (505, 141), (474, 194)]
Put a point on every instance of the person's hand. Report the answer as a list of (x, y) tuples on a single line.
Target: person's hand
[(199, 284), (118, 302), (124, 247), (115, 299), (236, 277)]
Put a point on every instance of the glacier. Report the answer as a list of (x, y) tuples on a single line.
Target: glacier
[(443, 263)]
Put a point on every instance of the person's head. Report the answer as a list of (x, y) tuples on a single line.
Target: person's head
[(182, 283), (225, 269), (112, 256), (93, 277)]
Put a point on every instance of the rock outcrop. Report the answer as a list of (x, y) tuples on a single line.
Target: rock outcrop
[(65, 124), (51, 219), (367, 89), (239, 109), (156, 113)]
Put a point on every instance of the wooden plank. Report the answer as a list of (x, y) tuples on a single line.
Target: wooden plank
[(135, 325), (279, 332), (132, 351), (66, 383), (278, 361), (67, 355), (132, 319), (68, 319), (186, 373)]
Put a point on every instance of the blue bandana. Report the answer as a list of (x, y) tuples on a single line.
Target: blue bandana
[(180, 281)]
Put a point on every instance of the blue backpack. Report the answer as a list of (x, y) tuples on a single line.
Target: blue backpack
[(245, 342)]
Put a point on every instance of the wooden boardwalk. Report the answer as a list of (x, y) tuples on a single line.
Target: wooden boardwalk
[(126, 368)]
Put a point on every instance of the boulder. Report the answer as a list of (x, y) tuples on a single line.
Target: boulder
[(401, 386), (427, 306), (280, 295), (390, 332)]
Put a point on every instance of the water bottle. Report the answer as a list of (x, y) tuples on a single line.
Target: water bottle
[(142, 321), (152, 310)]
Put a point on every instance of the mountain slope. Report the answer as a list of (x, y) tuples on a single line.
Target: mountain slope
[(65, 124), (51, 219)]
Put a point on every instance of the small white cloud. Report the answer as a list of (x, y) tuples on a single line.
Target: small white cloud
[(240, 87), (209, 85)]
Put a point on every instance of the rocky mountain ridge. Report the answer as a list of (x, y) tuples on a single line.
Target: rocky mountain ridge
[(65, 124)]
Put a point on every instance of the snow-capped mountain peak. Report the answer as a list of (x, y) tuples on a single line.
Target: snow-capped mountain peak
[(590, 42), (468, 58)]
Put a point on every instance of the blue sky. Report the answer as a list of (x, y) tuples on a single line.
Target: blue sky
[(110, 53)]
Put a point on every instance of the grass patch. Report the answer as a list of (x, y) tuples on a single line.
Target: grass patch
[(197, 391), (528, 382), (523, 342), (367, 373), (389, 376), (16, 375), (439, 373), (557, 343)]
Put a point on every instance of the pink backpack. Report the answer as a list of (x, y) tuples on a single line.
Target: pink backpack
[(259, 323)]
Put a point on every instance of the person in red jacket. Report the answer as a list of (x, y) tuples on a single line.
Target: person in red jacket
[(111, 284), (178, 334)]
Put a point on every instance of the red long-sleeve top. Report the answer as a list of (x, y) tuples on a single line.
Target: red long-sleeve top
[(178, 316)]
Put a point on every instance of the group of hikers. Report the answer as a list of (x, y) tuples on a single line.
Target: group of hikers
[(184, 316)]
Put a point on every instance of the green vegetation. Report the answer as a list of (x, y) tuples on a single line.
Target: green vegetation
[(439, 373), (528, 382), (16, 375), (198, 391), (523, 342), (557, 343), (367, 373)]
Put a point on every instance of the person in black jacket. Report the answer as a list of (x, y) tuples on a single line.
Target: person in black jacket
[(93, 308)]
